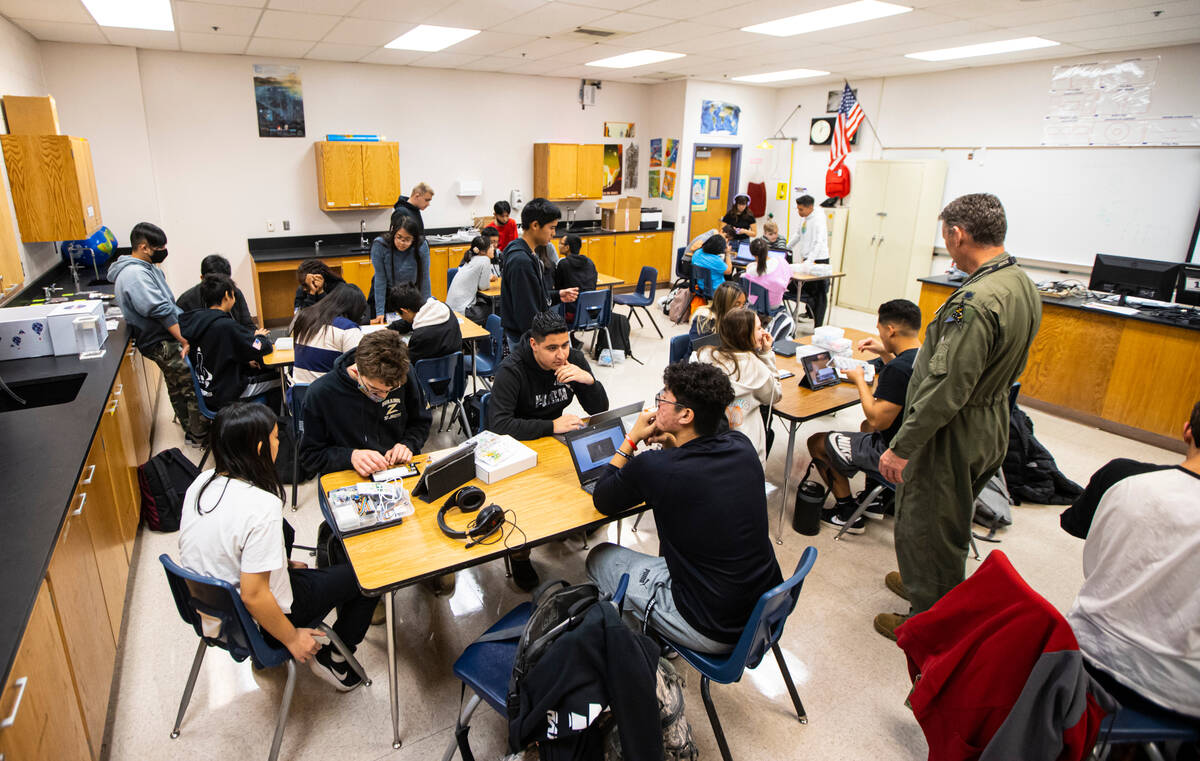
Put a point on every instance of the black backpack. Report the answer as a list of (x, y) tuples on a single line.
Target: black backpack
[(618, 328), (330, 550), (163, 480)]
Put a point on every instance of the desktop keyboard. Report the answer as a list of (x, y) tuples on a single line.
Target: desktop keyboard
[(1110, 308)]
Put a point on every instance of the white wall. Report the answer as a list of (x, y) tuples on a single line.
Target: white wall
[(21, 74)]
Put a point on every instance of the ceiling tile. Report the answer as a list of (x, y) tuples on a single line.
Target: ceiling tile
[(593, 52), (393, 57), (488, 63), (241, 3), (332, 51), (200, 42), (629, 22), (202, 17), (934, 36), (360, 31), (411, 11), (714, 45), (1085, 31), (71, 11), (331, 7), (682, 10), (262, 46), (141, 38), (1149, 40), (612, 5), (485, 14), (491, 43), (286, 25), (552, 19), (58, 31), (667, 35), (444, 60), (544, 48)]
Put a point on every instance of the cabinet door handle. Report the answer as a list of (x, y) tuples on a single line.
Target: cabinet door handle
[(82, 501), (11, 719), (91, 472), (881, 240), (873, 237), (113, 409), (120, 387)]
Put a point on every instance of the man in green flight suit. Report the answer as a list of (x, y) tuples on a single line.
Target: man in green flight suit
[(955, 430)]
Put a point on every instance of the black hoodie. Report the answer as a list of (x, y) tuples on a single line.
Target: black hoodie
[(402, 206), (190, 299), (221, 351), (338, 418), (526, 399), (524, 287)]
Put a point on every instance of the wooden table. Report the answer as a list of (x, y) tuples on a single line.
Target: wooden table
[(801, 280), (602, 281), (547, 504), (799, 405)]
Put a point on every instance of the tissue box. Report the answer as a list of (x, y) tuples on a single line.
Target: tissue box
[(498, 457), (24, 332), (621, 215), (826, 335), (62, 324)]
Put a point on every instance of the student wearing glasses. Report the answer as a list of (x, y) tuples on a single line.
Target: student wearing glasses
[(714, 562)]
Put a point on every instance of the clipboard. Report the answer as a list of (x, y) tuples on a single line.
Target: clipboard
[(447, 474)]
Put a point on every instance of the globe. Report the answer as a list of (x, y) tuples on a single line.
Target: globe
[(102, 242)]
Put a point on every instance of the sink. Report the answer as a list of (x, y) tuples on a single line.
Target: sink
[(42, 392), (583, 227)]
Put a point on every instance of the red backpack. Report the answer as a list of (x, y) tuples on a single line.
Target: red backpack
[(837, 182)]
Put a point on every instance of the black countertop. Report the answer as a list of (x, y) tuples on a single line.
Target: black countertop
[(1073, 302)]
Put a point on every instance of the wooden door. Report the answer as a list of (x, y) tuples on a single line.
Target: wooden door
[(358, 271), (103, 521), (717, 164), (12, 272), (441, 259), (627, 260), (46, 723), (555, 171), (894, 249), (339, 175), (78, 598), (660, 255), (85, 176), (862, 234), (137, 407), (589, 171), (117, 428), (601, 249), (381, 173)]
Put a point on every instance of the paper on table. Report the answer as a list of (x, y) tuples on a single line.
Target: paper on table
[(284, 344)]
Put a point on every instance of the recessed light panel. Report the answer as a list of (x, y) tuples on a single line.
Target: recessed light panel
[(636, 58), (780, 76), (828, 18), (132, 14), (429, 38), (985, 48)]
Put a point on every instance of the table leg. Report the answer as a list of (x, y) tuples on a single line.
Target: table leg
[(282, 391), (474, 366), (388, 604), (787, 472)]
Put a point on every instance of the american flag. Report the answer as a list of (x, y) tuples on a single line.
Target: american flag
[(850, 116)]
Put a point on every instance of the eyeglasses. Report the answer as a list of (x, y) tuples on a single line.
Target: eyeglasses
[(660, 401), (374, 394)]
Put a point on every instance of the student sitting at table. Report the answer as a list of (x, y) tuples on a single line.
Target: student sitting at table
[(316, 279), (367, 413), (227, 357), (493, 235), (745, 355), (475, 274), (232, 528), (771, 237), (574, 270), (840, 455), (325, 331), (770, 270), (715, 257), (716, 557), (505, 225), (725, 231), (215, 264), (433, 325), (707, 320)]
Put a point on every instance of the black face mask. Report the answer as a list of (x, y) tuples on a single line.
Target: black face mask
[(158, 256)]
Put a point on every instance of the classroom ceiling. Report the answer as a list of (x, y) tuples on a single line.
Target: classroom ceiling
[(542, 37)]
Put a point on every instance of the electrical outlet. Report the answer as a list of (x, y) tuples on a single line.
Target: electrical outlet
[(287, 225), (270, 226)]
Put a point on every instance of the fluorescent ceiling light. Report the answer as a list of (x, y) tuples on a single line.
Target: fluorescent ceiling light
[(985, 48), (132, 14), (779, 76), (828, 18), (636, 58), (429, 38)]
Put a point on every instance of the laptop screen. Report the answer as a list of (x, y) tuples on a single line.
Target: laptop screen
[(592, 448), (743, 251)]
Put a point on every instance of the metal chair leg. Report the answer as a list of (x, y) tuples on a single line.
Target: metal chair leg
[(633, 313), (203, 459), (463, 719), (187, 689), (346, 652), (974, 549), (295, 470), (712, 719), (442, 420), (859, 510), (787, 679), (650, 315), (285, 705), (462, 418), (637, 521)]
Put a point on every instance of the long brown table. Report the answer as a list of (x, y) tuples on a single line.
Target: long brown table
[(602, 281)]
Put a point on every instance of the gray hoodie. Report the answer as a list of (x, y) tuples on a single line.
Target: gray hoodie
[(145, 299)]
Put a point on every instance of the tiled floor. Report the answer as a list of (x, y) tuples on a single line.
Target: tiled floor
[(853, 682)]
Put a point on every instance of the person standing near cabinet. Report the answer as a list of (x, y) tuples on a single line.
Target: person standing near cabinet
[(811, 244), (400, 256), (527, 285), (412, 206), (505, 224)]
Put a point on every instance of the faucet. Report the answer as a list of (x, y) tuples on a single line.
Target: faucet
[(49, 290), (362, 233), (317, 246), (72, 252)]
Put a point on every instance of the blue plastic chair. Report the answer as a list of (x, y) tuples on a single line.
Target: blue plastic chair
[(761, 298), (593, 309), (704, 281), (485, 667), (198, 597), (204, 410), (1129, 726), (485, 403), (681, 347), (642, 298), (450, 273), (683, 268), (762, 632), (486, 363), (443, 381)]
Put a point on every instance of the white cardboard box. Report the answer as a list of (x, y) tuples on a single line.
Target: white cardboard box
[(62, 324), (24, 332), (498, 457)]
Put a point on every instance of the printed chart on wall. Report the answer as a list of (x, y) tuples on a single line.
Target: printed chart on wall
[(631, 166), (719, 118), (1105, 103), (619, 129), (654, 179), (279, 100), (664, 157), (612, 169), (700, 192)]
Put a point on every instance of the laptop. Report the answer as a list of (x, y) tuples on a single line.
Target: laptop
[(592, 448), (626, 412), (743, 256)]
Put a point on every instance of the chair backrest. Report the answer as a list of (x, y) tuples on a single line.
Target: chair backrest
[(592, 310), (761, 298), (197, 597), (441, 379), (204, 410), (485, 402), (682, 269), (765, 625), (495, 346), (703, 278), (450, 273), (1013, 392), (296, 394), (681, 346), (647, 284)]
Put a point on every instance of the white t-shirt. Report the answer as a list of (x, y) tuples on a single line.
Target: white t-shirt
[(1137, 615), (238, 529)]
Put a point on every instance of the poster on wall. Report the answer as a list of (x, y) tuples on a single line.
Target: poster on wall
[(719, 118), (653, 184), (670, 153), (700, 192), (619, 129), (656, 152), (667, 189), (279, 100), (612, 169), (631, 166)]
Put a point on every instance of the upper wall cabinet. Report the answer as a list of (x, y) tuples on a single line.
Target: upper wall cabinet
[(357, 175), (568, 172), (53, 186)]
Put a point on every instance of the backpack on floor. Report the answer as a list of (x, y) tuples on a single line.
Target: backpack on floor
[(618, 328), (473, 405), (676, 731), (289, 450), (330, 550), (680, 310), (163, 480)]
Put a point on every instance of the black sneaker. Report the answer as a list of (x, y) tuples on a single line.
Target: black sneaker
[(832, 517), (524, 575), (339, 674), (877, 510)]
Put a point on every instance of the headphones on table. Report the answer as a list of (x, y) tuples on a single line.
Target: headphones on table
[(469, 499)]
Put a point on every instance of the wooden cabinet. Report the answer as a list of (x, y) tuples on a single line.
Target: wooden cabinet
[(42, 721), (104, 524), (53, 186), (441, 259), (602, 250), (357, 270), (117, 430), (357, 175), (636, 250), (568, 172), (12, 272)]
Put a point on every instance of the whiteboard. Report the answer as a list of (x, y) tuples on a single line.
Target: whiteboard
[(1068, 204)]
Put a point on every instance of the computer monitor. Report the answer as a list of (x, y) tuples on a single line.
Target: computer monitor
[(1188, 291), (1126, 276)]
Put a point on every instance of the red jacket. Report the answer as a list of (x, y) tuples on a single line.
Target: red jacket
[(508, 233), (997, 673)]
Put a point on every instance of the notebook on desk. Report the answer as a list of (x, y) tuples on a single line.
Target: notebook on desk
[(592, 448)]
